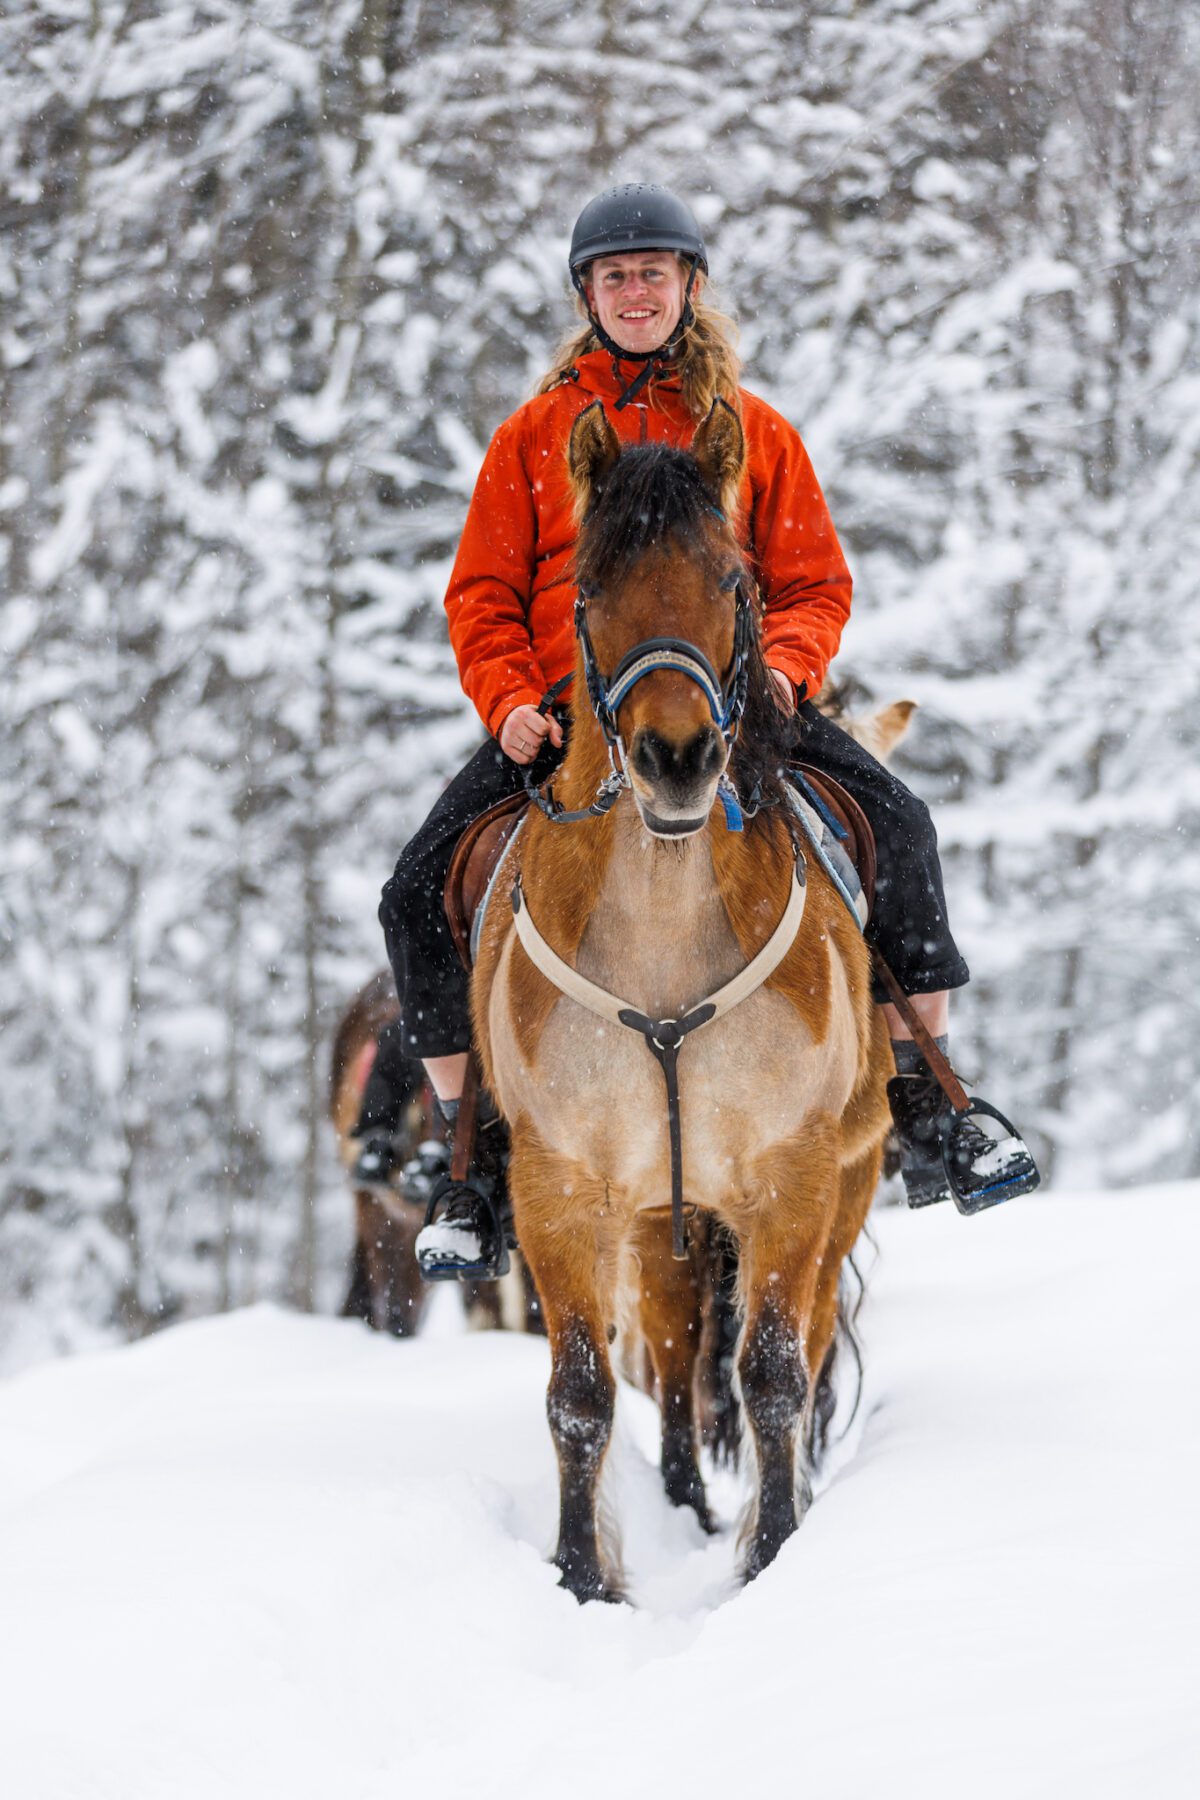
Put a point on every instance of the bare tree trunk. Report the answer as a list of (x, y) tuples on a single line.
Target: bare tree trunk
[(129, 1309), (233, 1124), (304, 1263)]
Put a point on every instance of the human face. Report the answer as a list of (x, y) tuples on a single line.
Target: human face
[(639, 298)]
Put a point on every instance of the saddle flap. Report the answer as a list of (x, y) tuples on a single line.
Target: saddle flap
[(473, 864), (859, 840)]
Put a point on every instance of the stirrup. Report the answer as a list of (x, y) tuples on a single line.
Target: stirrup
[(982, 1178), (450, 1267)]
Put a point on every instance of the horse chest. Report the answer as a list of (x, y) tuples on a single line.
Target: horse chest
[(660, 949), (597, 1096)]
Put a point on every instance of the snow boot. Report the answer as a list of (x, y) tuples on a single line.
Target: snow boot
[(975, 1158), (377, 1161), (422, 1172), (467, 1232)]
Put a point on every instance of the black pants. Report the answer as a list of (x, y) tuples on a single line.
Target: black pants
[(908, 924), (395, 1077)]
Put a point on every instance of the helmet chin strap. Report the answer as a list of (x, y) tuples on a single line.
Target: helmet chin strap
[(650, 359)]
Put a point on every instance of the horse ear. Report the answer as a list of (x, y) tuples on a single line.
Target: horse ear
[(719, 447), (593, 449), (883, 729)]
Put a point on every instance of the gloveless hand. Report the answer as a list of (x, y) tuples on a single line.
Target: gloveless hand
[(524, 731), (783, 693)]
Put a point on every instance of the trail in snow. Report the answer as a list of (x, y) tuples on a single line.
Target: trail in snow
[(271, 1555)]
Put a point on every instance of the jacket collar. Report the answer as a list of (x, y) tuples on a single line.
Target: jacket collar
[(600, 374)]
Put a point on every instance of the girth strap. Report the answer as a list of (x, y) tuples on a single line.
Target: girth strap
[(664, 1037)]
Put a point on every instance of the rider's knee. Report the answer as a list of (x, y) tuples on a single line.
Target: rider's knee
[(401, 898)]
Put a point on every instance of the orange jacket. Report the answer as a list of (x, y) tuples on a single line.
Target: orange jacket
[(511, 595)]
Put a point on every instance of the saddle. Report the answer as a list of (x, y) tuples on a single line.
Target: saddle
[(473, 867), (851, 825), (479, 850)]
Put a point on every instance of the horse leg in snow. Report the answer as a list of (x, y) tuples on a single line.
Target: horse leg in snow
[(669, 1308), (783, 1240), (357, 1304), (573, 1265), (717, 1402), (397, 1292)]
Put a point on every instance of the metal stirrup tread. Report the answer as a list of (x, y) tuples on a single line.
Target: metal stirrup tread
[(488, 1267)]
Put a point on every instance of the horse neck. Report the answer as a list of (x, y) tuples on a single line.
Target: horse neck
[(659, 932), (654, 927), (640, 914), (660, 922)]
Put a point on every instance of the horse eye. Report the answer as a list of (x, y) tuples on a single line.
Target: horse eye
[(730, 581)]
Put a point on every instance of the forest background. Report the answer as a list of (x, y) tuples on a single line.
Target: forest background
[(271, 275)]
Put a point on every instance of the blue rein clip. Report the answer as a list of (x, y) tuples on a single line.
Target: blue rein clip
[(727, 795)]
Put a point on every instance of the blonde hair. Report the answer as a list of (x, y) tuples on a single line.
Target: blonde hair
[(706, 358)]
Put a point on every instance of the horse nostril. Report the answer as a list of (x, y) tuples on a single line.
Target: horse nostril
[(710, 753), (652, 756), (656, 760)]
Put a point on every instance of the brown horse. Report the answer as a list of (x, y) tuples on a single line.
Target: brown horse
[(386, 1289), (650, 908)]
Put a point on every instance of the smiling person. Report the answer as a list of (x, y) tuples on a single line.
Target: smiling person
[(658, 356)]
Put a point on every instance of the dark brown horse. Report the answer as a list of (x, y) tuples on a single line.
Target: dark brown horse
[(648, 940), (386, 1289)]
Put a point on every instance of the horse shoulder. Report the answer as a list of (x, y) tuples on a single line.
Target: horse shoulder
[(561, 874), (753, 874)]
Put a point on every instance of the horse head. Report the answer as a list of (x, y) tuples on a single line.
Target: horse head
[(665, 610)]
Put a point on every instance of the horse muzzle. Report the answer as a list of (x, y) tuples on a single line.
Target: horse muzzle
[(675, 785)]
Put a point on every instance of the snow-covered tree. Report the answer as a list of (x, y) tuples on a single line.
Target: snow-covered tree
[(275, 272)]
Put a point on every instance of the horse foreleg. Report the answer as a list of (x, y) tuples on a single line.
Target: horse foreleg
[(559, 1213), (669, 1309), (397, 1292), (782, 1244)]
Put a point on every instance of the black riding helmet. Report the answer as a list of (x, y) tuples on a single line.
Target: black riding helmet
[(638, 216)]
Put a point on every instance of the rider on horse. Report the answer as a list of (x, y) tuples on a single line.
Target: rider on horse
[(657, 357)]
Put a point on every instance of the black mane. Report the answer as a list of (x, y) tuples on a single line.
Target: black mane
[(654, 495), (656, 498)]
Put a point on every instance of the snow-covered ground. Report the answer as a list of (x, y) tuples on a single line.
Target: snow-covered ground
[(276, 1556)]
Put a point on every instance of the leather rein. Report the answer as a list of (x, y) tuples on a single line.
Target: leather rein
[(727, 702)]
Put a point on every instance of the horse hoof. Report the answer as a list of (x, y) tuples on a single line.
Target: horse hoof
[(590, 1586), (597, 1590), (699, 1506), (763, 1551), (685, 1488)]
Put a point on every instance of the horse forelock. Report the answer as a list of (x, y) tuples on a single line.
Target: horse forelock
[(655, 497)]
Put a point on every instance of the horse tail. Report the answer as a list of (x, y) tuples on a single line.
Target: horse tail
[(720, 1327), (845, 1343)]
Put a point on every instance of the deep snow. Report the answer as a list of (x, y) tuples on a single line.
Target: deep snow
[(277, 1556)]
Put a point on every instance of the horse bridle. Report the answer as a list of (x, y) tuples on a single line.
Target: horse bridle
[(726, 700)]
